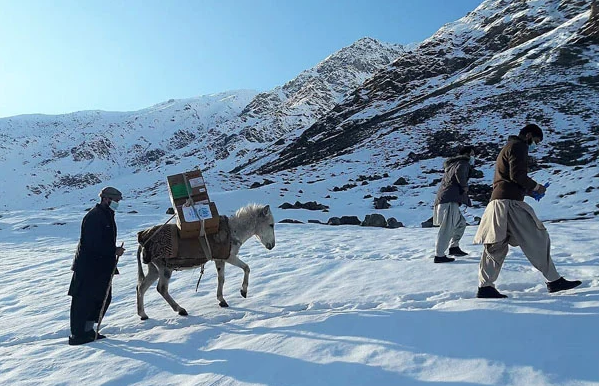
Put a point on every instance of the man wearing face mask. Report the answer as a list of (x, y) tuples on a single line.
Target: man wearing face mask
[(508, 220), (93, 267), (453, 192)]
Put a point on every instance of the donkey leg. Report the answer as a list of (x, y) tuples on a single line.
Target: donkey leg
[(220, 269), (142, 287), (163, 279), (236, 261)]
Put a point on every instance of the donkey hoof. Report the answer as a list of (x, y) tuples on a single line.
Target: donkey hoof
[(223, 304), (144, 317), (244, 293), (182, 312)]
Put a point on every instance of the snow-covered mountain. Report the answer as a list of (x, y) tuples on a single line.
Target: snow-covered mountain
[(504, 64), (42, 154), (47, 154), (282, 114), (474, 81), (358, 125)]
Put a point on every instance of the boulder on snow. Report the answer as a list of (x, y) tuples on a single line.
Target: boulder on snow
[(428, 223), (374, 220), (401, 181), (381, 203), (350, 220), (388, 189), (393, 223), (334, 221), (290, 221), (311, 205)]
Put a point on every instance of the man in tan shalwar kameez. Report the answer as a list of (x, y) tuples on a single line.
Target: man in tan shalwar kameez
[(453, 192), (508, 220)]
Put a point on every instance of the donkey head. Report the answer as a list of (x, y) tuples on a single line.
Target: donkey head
[(265, 228)]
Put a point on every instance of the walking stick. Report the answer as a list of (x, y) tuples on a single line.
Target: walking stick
[(101, 316)]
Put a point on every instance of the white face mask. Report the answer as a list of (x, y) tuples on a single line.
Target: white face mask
[(114, 205), (532, 146)]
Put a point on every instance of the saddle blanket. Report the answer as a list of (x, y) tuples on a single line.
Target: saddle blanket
[(181, 253)]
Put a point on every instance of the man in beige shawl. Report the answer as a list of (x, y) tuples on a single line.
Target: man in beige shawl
[(509, 220)]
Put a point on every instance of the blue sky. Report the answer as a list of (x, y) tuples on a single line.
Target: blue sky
[(64, 56)]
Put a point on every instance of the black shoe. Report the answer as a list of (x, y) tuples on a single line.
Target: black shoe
[(443, 259), (489, 293), (76, 340), (456, 251), (92, 333), (562, 284)]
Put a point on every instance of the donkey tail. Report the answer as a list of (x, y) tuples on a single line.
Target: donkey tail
[(140, 271)]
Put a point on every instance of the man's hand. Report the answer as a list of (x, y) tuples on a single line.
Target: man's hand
[(120, 250), (540, 189)]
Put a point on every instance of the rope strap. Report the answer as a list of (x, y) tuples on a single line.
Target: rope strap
[(200, 278), (202, 237), (158, 230)]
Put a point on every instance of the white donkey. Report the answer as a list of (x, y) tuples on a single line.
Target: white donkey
[(167, 252)]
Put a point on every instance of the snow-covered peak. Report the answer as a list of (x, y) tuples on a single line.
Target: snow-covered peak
[(276, 117), (42, 154), (315, 91)]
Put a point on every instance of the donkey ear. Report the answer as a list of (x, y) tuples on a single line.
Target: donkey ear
[(265, 211)]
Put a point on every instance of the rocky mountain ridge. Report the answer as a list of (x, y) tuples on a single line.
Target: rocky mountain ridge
[(504, 64), (277, 117), (71, 151)]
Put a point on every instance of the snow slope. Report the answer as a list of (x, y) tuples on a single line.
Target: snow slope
[(328, 305)]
